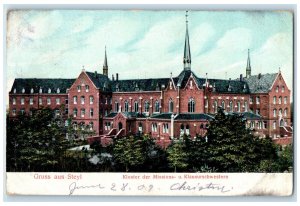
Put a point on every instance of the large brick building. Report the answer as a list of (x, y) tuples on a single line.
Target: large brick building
[(166, 108)]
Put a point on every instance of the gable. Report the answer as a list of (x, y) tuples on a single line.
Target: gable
[(82, 80), (191, 84)]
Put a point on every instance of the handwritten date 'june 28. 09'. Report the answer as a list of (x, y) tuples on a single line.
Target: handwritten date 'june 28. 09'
[(125, 187)]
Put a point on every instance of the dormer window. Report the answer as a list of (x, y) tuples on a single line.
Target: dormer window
[(49, 91), (15, 90), (31, 90), (58, 91), (87, 88), (117, 87), (41, 90), (23, 90)]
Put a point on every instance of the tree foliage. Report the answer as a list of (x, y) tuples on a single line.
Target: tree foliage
[(177, 156)]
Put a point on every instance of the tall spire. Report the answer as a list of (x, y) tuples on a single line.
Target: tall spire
[(105, 66), (187, 53), (248, 68)]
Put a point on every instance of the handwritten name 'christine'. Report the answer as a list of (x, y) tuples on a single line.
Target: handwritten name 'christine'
[(198, 187)]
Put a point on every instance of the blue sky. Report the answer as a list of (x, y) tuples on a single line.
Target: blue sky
[(147, 44)]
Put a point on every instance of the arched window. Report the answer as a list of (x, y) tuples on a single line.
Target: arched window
[(280, 112), (238, 106), (15, 90), (75, 99), (171, 105), (282, 89), (274, 100), (187, 129), (126, 106), (91, 112), (285, 112), (87, 88), (49, 90), (91, 125), (75, 126), (136, 106), (274, 124), (31, 90), (191, 105), (58, 91), (215, 106), (279, 100), (140, 128), (230, 106), (156, 106), (91, 100), (281, 123), (22, 100), (75, 112), (116, 106), (82, 112), (166, 128), (41, 90), (274, 112), (82, 99), (223, 104), (146, 106), (23, 90), (14, 101), (246, 106), (285, 100), (181, 129), (277, 89)]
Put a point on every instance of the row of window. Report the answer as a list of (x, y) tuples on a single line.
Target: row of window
[(277, 89), (279, 100), (82, 126), (83, 113), (165, 128), (82, 99), (136, 106), (87, 88), (229, 106), (285, 111), (57, 112), (31, 102), (32, 90)]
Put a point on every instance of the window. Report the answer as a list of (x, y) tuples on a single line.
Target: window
[(156, 106), (230, 106), (146, 106), (246, 106), (191, 105), (22, 101), (140, 128), (31, 101), (285, 112), (258, 111), (87, 88), (107, 126), (251, 100), (58, 91), (165, 128), (257, 100), (260, 125), (274, 112), (274, 100), (91, 100), (48, 101), (75, 126), (78, 88), (265, 125), (187, 129), (126, 106), (91, 112), (67, 101), (136, 106), (82, 112), (66, 110), (206, 103), (15, 90), (40, 101), (252, 125), (238, 106), (181, 130), (75, 99), (282, 89), (22, 111), (14, 112), (49, 90), (41, 90), (154, 127), (91, 125), (23, 90), (280, 112), (56, 112), (13, 100), (277, 89), (31, 91), (58, 101), (279, 100), (171, 106), (116, 106), (285, 100), (274, 124), (82, 99), (223, 104), (215, 106)]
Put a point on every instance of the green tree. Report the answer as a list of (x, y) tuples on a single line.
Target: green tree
[(232, 147), (128, 151), (177, 157)]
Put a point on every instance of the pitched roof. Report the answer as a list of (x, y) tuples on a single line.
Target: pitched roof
[(248, 115), (45, 84), (101, 81), (127, 114), (261, 83), (132, 85)]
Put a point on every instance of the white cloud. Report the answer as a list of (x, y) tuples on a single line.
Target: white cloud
[(200, 35)]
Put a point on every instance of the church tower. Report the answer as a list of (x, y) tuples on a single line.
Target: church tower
[(248, 68), (187, 53), (105, 66)]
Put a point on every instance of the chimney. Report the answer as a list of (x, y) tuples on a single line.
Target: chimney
[(259, 75), (95, 74), (112, 77), (241, 77), (117, 76)]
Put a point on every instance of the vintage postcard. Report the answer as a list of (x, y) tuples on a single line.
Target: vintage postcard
[(140, 102)]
